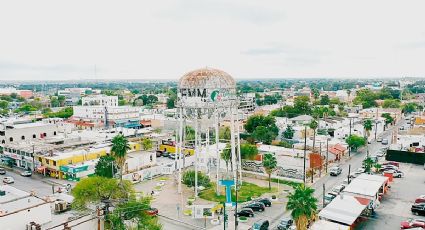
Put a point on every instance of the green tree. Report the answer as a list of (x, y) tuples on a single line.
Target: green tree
[(388, 118), (106, 167), (226, 155), (391, 103), (313, 125), (303, 205), (367, 164), (224, 133), (324, 100), (147, 144), (269, 164), (289, 132), (366, 98), (316, 93), (377, 167), (302, 105), (263, 134), (171, 103), (189, 179), (134, 211), (367, 125), (119, 150), (410, 107), (95, 189), (354, 141), (248, 151)]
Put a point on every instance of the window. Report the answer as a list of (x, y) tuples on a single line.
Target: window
[(54, 163), (44, 134), (11, 139), (40, 159), (23, 138), (34, 136), (54, 133), (3, 142)]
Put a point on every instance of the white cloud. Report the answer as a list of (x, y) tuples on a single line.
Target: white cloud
[(165, 39)]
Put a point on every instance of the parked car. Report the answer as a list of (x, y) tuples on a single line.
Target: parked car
[(418, 209), (266, 201), (385, 141), (285, 223), (396, 173), (261, 225), (8, 180), (379, 139), (165, 154), (247, 212), (329, 197), (152, 211), (159, 153), (338, 189), (26, 173), (335, 171), (256, 206), (380, 154), (391, 163), (389, 167), (2, 171), (420, 199), (412, 223)]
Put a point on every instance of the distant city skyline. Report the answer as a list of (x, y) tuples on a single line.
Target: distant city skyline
[(79, 40)]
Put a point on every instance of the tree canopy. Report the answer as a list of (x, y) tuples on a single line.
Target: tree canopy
[(289, 132), (303, 205), (248, 151), (95, 189), (354, 141), (106, 167)]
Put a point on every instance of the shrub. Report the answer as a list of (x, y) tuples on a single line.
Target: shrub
[(273, 197), (189, 179), (243, 218)]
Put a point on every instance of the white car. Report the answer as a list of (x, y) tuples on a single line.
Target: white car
[(8, 180), (380, 154), (396, 173), (338, 189)]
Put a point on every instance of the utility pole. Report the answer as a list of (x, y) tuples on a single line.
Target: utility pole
[(327, 152), (349, 171), (323, 196), (376, 128), (349, 147), (321, 163), (305, 148)]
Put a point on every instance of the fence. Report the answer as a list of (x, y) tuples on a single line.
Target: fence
[(404, 156)]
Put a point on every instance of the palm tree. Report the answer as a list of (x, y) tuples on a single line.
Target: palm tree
[(225, 155), (269, 164), (367, 164), (119, 150), (313, 125), (367, 125), (303, 205)]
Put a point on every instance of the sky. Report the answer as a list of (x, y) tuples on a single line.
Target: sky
[(89, 39)]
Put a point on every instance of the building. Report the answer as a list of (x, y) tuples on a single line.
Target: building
[(101, 100), (108, 116), (373, 113), (73, 95), (18, 209), (11, 132)]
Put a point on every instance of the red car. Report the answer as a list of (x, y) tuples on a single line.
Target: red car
[(391, 163), (420, 199), (152, 211), (412, 223)]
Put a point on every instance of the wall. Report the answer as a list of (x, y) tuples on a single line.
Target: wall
[(18, 221), (28, 133), (404, 156)]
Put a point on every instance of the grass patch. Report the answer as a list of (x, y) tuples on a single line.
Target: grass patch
[(293, 184), (245, 193)]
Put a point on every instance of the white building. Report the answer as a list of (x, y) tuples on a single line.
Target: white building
[(11, 133), (19, 208), (73, 95), (102, 100), (114, 116)]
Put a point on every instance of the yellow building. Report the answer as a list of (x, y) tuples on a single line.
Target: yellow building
[(51, 165)]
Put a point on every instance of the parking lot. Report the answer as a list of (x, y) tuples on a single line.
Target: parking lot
[(395, 206)]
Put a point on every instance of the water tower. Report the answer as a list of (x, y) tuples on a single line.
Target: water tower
[(206, 97)]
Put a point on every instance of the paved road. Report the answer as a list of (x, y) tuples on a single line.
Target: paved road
[(38, 183), (355, 161)]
